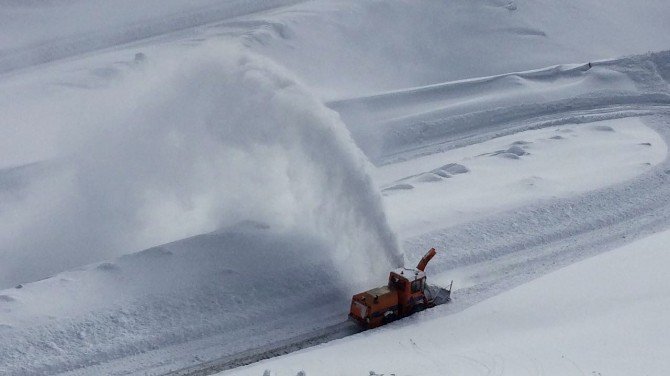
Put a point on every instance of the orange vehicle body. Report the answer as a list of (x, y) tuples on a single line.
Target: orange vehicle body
[(404, 295)]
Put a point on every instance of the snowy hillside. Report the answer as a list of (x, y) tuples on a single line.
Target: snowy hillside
[(347, 48), (188, 187), (343, 47)]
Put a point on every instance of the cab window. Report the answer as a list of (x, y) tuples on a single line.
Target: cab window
[(417, 285), (396, 283)]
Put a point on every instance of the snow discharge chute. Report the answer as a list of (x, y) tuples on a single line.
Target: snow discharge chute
[(217, 138)]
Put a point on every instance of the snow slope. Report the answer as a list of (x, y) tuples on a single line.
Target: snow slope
[(352, 48), (401, 124), (601, 316), (127, 125)]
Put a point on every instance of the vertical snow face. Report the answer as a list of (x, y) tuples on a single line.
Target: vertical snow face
[(197, 144)]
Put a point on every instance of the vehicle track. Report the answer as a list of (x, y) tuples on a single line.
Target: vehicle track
[(278, 348)]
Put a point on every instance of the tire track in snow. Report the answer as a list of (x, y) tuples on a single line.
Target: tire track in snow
[(279, 348)]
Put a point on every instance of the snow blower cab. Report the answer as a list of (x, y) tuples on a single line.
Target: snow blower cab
[(405, 294)]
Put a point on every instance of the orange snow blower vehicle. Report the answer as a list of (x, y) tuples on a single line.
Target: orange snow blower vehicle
[(405, 294)]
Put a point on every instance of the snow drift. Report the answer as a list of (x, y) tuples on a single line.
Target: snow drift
[(189, 145), (224, 288)]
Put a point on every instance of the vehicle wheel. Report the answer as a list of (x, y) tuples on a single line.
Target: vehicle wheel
[(389, 318), (418, 308)]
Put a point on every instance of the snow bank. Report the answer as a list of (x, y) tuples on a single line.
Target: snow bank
[(602, 316), (229, 286), (186, 146)]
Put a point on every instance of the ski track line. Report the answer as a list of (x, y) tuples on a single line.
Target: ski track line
[(610, 217)]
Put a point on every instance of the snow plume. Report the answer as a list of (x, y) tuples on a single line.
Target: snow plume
[(194, 144)]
